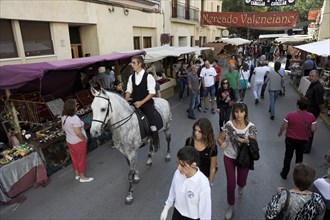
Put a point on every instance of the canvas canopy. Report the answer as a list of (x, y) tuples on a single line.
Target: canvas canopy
[(265, 36), (158, 53), (321, 48), (293, 39), (15, 76), (235, 41)]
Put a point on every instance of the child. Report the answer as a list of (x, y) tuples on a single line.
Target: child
[(190, 190)]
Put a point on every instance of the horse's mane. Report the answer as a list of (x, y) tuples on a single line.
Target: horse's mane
[(118, 97)]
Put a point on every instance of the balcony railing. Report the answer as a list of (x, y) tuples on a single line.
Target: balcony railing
[(186, 12)]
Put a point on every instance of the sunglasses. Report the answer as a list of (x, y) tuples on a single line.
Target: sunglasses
[(225, 83)]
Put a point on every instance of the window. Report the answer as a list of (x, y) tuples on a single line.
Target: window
[(171, 41), (218, 8), (36, 37), (7, 42), (191, 41), (136, 43), (146, 42)]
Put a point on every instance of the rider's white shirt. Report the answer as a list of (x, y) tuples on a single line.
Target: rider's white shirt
[(138, 78)]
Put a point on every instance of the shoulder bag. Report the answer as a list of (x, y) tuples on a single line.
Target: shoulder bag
[(247, 83), (306, 125), (281, 215), (282, 92), (254, 149)]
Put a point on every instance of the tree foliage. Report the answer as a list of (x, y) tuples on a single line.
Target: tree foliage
[(301, 6)]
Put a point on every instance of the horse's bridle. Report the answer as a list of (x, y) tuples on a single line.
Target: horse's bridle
[(120, 122)]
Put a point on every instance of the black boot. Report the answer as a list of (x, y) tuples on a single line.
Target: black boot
[(155, 140)]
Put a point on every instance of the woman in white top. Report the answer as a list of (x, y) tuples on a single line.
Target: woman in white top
[(244, 73), (76, 139), (190, 192), (234, 133)]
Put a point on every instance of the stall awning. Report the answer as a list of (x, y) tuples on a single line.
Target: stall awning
[(158, 53), (15, 76), (293, 39), (265, 36), (321, 48), (235, 41)]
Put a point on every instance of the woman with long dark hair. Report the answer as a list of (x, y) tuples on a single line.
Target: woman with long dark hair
[(225, 99), (202, 140), (236, 132)]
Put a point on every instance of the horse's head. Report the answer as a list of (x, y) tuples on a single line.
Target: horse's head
[(101, 108)]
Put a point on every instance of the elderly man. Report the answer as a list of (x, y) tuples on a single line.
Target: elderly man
[(194, 86), (233, 77), (315, 95), (308, 65)]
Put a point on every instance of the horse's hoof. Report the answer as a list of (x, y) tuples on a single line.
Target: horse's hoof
[(149, 162), (129, 201), (168, 158), (136, 181)]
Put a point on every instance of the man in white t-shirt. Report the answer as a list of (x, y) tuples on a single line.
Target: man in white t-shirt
[(260, 73), (208, 75)]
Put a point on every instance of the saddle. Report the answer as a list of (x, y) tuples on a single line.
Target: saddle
[(145, 130)]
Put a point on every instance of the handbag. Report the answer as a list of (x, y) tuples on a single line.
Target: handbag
[(282, 92), (247, 84), (306, 125), (243, 156), (254, 149), (281, 215)]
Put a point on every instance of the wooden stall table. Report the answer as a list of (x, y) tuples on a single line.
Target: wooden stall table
[(19, 175)]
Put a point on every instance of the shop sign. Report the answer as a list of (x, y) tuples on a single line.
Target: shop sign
[(269, 2), (312, 14), (250, 19)]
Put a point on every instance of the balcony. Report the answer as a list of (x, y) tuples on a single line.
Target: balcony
[(185, 12)]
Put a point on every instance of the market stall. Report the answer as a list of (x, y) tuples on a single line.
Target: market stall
[(19, 175), (321, 49), (167, 81), (33, 95)]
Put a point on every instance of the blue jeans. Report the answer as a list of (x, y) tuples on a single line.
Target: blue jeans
[(182, 86), (273, 94), (194, 101)]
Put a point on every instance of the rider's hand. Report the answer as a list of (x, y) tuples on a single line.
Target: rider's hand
[(137, 104)]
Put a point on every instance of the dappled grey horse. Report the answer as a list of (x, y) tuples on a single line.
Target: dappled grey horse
[(113, 111)]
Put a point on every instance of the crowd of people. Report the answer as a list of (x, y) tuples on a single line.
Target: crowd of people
[(190, 191)]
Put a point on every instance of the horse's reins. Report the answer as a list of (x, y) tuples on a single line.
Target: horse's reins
[(120, 122)]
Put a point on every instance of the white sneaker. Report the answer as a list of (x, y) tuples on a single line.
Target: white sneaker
[(77, 177), (89, 179), (229, 212), (240, 190)]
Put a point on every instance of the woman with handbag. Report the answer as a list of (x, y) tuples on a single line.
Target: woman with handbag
[(202, 140), (298, 202), (76, 139), (235, 133), (225, 101), (244, 83), (298, 125)]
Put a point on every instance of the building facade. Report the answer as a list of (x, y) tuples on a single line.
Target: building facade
[(37, 31)]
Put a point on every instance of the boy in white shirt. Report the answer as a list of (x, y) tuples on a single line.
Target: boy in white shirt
[(190, 192)]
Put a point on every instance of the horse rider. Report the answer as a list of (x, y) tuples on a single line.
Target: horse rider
[(141, 87)]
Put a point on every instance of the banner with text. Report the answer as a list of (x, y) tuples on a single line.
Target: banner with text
[(269, 2), (250, 19)]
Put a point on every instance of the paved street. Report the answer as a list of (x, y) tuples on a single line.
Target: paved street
[(66, 198)]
